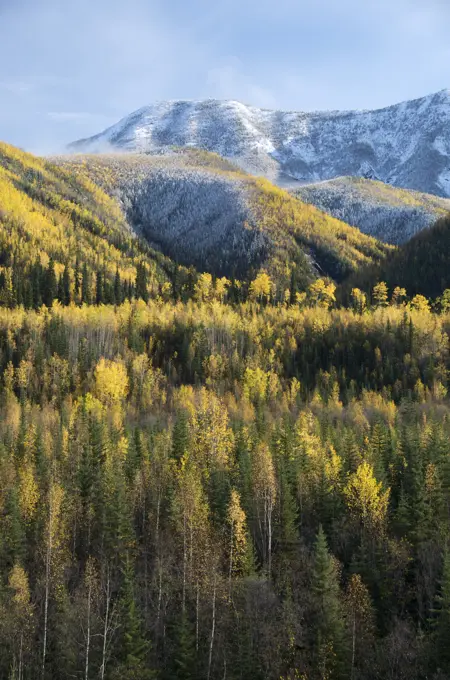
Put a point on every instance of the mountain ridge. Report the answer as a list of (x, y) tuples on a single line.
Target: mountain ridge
[(405, 144), (389, 213)]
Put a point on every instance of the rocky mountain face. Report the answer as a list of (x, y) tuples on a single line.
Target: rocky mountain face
[(406, 145)]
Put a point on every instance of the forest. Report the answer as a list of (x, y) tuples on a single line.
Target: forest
[(212, 477)]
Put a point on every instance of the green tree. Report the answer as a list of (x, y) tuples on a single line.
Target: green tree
[(134, 655), (141, 282), (328, 610), (50, 284), (442, 630)]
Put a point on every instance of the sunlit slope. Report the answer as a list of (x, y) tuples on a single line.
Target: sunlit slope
[(389, 213), (48, 212), (201, 210)]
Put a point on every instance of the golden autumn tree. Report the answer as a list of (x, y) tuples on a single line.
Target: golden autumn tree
[(111, 381), (366, 498)]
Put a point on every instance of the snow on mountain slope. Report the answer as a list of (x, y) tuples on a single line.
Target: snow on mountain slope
[(390, 214), (199, 209), (407, 144)]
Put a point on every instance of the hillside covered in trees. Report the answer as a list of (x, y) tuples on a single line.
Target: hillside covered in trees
[(420, 265), (201, 210), (387, 212), (211, 477)]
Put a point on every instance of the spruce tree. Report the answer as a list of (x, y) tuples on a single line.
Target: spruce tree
[(442, 631), (65, 286), (117, 289), (141, 282), (184, 654), (134, 648), (328, 613), (85, 286), (50, 284), (99, 289)]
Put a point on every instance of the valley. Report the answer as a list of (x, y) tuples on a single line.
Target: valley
[(224, 422)]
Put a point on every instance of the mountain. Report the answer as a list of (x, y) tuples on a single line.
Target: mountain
[(407, 145), (420, 265), (199, 209), (56, 223), (391, 214)]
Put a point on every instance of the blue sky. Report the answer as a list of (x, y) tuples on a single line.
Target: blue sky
[(70, 68)]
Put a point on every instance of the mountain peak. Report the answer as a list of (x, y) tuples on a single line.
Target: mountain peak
[(392, 144)]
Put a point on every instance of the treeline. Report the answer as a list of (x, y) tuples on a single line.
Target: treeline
[(204, 491)]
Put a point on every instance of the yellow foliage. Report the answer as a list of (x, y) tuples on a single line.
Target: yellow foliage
[(366, 498), (111, 381)]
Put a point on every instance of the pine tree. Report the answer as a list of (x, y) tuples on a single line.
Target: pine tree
[(85, 286), (50, 285), (134, 649), (77, 279), (99, 289), (184, 654), (180, 435), (117, 289), (328, 613), (66, 297), (141, 282), (442, 631)]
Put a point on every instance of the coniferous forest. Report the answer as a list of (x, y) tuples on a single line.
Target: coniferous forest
[(211, 477)]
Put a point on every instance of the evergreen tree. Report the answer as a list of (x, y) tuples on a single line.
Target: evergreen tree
[(184, 654), (66, 296), (328, 612), (442, 629), (50, 285), (134, 661), (85, 286), (141, 282), (99, 289), (117, 289)]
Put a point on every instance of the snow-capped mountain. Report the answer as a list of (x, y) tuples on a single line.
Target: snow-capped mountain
[(407, 145)]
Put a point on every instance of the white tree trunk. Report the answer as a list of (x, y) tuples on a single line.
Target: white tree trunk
[(213, 628)]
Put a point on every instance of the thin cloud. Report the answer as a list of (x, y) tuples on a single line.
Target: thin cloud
[(16, 87), (75, 116)]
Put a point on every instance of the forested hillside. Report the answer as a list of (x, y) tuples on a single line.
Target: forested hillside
[(201, 210), (390, 214), (421, 265), (62, 237), (207, 491), (211, 477)]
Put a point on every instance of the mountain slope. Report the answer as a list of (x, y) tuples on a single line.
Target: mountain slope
[(201, 210), (48, 213), (407, 144), (391, 214), (420, 265)]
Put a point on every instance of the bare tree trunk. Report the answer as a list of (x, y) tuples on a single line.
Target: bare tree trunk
[(88, 632), (196, 616), (269, 538), (106, 626), (21, 657), (213, 628), (158, 611), (184, 564), (231, 562), (353, 646), (48, 559)]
